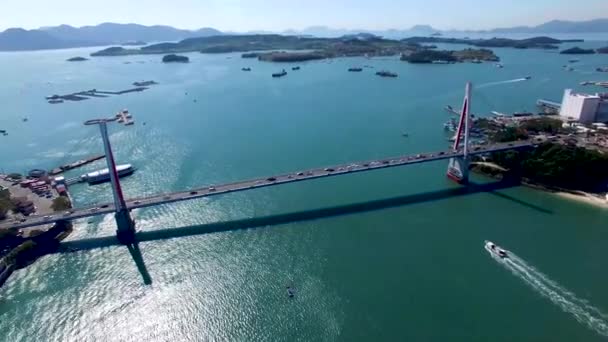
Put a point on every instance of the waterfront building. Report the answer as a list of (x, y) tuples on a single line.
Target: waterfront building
[(584, 108)]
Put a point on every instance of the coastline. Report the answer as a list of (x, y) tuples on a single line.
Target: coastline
[(593, 199)]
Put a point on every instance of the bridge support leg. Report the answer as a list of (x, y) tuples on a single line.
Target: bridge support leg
[(458, 170), (125, 227)]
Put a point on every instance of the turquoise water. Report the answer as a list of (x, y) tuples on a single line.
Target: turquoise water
[(411, 267)]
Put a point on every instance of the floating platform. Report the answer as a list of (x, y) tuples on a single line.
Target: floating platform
[(86, 94)]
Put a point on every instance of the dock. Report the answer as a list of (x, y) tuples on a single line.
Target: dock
[(549, 106), (63, 168)]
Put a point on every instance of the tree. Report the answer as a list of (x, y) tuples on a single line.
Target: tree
[(61, 203), (543, 125), (509, 134)]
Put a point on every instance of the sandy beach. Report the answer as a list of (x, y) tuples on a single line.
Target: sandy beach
[(584, 198)]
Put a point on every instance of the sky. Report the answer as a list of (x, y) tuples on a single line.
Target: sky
[(278, 15)]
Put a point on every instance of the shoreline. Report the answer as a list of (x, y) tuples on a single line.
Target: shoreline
[(579, 196), (593, 199)]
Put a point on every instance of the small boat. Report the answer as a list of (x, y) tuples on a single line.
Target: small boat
[(574, 61), (528, 77), (355, 69), (405, 135), (130, 123), (499, 65), (440, 62), (602, 69), (385, 73), (246, 69), (279, 74), (295, 68), (291, 292), (25, 119), (55, 101), (499, 252), (476, 61)]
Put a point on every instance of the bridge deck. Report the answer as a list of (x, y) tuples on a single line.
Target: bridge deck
[(207, 191)]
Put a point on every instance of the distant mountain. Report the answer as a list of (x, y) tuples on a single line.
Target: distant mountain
[(327, 32), (17, 39), (559, 26), (65, 36), (110, 33)]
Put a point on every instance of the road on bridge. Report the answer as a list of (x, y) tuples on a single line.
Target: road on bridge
[(337, 170)]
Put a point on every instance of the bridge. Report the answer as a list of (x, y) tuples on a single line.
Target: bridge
[(459, 160), (256, 183)]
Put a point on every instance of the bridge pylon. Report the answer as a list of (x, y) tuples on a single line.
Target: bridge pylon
[(458, 168), (125, 226)]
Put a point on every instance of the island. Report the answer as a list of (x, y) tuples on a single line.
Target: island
[(250, 55), (602, 50), (77, 59), (577, 51), (175, 59), (445, 57), (271, 45), (283, 56), (529, 43)]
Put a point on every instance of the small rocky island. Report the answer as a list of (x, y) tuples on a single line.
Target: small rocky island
[(175, 59), (577, 51), (77, 59)]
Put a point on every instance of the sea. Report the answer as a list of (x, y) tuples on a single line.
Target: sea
[(388, 255)]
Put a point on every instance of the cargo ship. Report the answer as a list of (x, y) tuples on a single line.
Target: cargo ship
[(102, 176)]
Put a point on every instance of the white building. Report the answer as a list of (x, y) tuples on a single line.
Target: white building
[(584, 108)]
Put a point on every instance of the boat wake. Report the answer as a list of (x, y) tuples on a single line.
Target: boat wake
[(492, 84), (581, 309)]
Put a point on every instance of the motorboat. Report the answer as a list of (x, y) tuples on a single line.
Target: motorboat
[(494, 249), (280, 74), (291, 292), (528, 77)]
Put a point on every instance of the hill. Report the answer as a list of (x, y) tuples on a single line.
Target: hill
[(65, 36), (17, 39), (559, 26)]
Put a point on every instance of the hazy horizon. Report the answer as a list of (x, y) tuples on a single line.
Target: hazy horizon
[(274, 15)]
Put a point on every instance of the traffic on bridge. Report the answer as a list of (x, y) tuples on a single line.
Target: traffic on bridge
[(298, 176)]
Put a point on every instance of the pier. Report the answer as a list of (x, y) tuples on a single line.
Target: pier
[(549, 106), (63, 168)]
